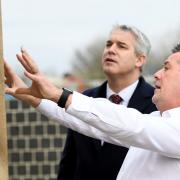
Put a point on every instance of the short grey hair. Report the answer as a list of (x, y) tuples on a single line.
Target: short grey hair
[(143, 45)]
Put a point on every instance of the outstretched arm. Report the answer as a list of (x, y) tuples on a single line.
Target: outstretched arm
[(104, 119)]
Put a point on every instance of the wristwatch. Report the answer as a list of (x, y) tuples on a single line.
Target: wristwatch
[(64, 96)]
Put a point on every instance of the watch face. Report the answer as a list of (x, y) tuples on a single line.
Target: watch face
[(67, 90)]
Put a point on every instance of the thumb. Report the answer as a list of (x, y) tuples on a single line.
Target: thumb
[(8, 91), (23, 91)]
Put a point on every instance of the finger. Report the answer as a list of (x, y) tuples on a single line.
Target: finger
[(31, 64), (7, 69), (8, 72), (23, 62), (7, 82), (29, 60), (31, 76)]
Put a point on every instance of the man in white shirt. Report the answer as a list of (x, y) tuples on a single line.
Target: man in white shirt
[(154, 139)]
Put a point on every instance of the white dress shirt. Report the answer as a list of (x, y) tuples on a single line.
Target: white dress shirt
[(155, 141)]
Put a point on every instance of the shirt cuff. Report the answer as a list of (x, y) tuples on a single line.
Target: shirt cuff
[(80, 102)]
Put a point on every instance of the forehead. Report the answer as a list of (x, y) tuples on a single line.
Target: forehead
[(174, 59), (122, 36)]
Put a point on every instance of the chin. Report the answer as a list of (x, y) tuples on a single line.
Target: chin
[(110, 73), (157, 101), (154, 99), (109, 70)]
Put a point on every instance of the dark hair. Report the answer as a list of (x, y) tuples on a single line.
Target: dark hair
[(176, 48)]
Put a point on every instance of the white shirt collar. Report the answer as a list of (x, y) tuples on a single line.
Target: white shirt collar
[(175, 112), (125, 94)]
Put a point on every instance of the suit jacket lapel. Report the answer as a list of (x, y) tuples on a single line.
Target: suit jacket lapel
[(140, 97)]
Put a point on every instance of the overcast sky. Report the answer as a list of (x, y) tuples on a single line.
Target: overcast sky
[(52, 29)]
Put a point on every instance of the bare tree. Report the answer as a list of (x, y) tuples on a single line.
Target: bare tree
[(87, 63)]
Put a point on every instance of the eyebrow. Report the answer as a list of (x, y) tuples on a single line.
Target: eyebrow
[(120, 42), (166, 63)]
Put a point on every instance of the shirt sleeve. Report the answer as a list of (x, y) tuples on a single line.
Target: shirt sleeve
[(117, 122), (53, 111)]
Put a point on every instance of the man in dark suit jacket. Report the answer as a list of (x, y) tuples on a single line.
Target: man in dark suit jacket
[(85, 158)]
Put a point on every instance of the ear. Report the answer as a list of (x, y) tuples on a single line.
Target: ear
[(140, 61)]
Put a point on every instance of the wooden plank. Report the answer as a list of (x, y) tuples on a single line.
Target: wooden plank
[(3, 129)]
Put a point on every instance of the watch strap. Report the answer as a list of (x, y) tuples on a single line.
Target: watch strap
[(64, 96)]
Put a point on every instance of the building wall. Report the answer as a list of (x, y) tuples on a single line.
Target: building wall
[(35, 143)]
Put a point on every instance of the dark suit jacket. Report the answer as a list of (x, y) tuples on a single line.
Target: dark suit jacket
[(84, 158)]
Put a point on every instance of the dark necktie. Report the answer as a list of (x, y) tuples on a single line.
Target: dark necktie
[(115, 98)]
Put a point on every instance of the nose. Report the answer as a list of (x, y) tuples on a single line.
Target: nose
[(157, 75), (112, 49)]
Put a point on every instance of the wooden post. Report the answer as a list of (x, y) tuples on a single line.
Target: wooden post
[(3, 130)]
